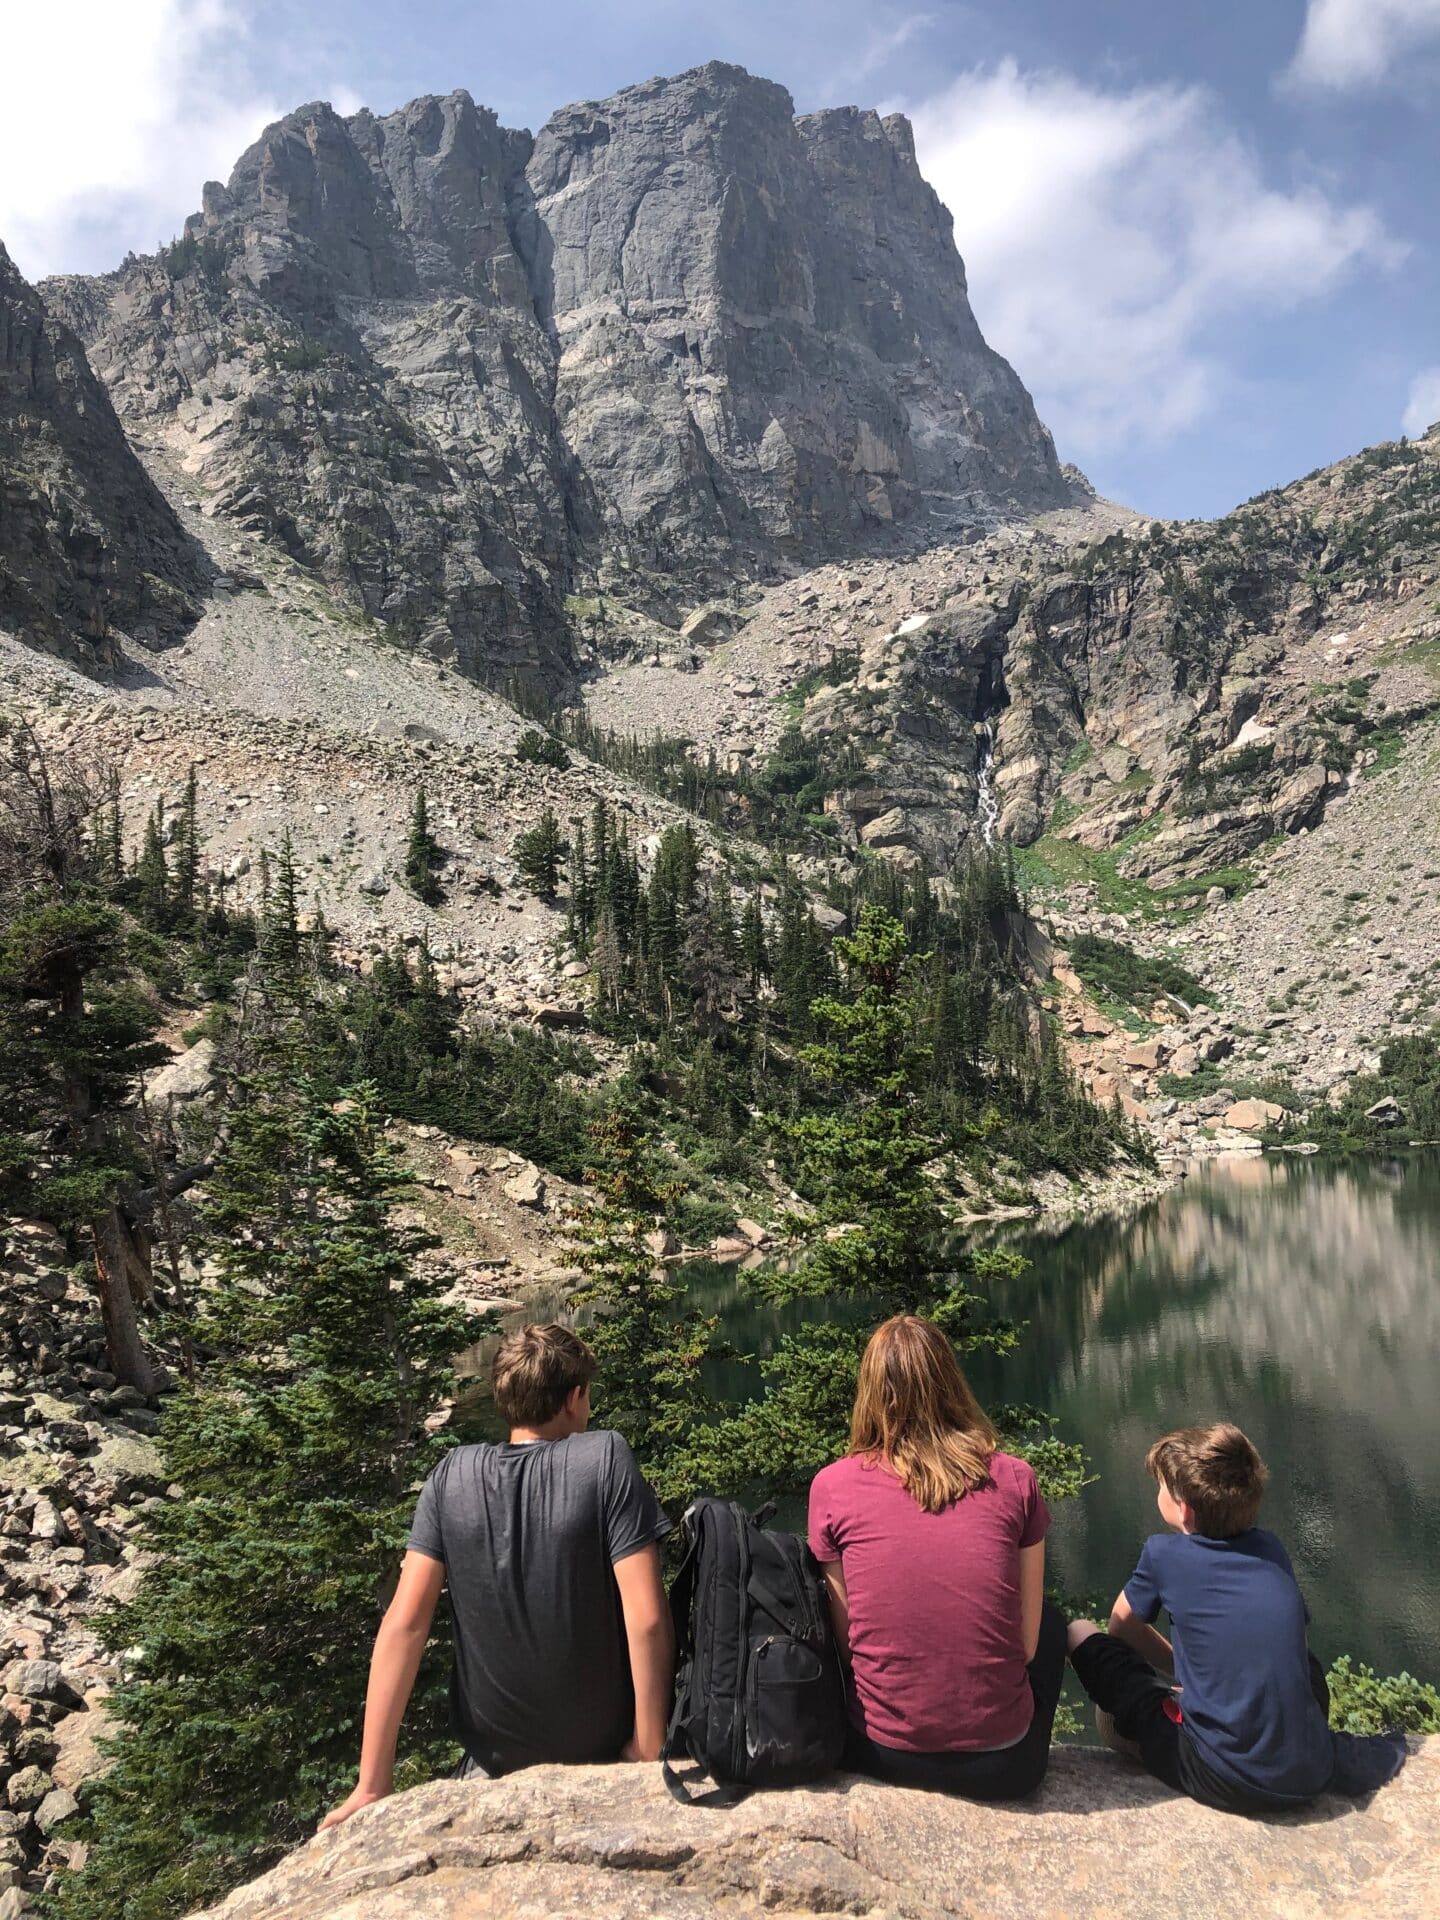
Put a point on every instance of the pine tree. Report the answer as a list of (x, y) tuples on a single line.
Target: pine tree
[(662, 921), (110, 842), (581, 891), (187, 850), (538, 853), (609, 964), (424, 856), (541, 749), (651, 1348), (298, 1452), (721, 916), (754, 948), (76, 1031), (431, 1012), (874, 1241), (152, 875), (280, 960)]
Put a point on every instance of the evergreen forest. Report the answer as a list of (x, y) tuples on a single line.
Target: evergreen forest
[(872, 1043)]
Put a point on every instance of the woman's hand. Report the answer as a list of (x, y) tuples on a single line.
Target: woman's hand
[(361, 1797)]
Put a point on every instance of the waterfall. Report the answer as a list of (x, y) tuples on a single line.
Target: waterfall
[(986, 800)]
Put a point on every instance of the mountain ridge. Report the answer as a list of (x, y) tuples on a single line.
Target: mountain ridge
[(680, 336)]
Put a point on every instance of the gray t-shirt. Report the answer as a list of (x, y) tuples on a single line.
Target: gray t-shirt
[(529, 1535)]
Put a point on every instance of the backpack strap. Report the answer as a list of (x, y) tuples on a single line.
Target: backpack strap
[(718, 1797), (782, 1610)]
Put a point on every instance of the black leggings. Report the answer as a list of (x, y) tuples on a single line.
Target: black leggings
[(1003, 1773)]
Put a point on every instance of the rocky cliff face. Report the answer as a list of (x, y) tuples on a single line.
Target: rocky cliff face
[(87, 543), (679, 338), (772, 314), (1167, 699)]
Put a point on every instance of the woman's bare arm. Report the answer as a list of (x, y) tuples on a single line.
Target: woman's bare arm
[(393, 1666), (1032, 1596), (839, 1606)]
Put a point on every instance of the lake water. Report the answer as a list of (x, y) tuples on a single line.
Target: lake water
[(1297, 1297)]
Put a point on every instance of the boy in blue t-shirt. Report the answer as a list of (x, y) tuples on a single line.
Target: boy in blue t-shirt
[(1246, 1727)]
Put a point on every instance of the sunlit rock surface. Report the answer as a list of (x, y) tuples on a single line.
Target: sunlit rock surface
[(1102, 1840)]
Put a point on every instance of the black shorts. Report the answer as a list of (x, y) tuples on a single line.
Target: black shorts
[(1144, 1709)]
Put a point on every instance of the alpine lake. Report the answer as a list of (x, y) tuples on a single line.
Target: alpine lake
[(1298, 1297)]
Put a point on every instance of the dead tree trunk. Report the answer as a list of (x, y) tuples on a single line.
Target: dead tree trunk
[(119, 1265)]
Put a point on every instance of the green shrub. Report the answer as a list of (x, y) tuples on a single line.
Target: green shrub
[(1363, 1701), (541, 750), (1108, 966)]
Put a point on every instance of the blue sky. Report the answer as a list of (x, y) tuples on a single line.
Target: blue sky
[(1205, 235)]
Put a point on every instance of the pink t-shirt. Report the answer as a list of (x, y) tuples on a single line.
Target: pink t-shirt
[(936, 1651)]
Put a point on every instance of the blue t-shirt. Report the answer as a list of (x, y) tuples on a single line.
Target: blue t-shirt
[(1241, 1658)]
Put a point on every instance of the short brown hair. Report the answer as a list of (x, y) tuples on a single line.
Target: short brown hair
[(1218, 1474), (536, 1370), (915, 1411)]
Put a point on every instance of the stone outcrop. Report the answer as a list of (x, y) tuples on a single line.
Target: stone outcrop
[(1172, 696), (678, 337), (88, 545), (1101, 1839)]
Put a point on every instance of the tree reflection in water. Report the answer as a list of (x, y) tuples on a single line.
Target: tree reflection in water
[(1300, 1298)]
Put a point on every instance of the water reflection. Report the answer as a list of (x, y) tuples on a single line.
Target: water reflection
[(1299, 1298)]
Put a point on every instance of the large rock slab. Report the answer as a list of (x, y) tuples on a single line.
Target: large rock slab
[(186, 1077), (1101, 1840), (1250, 1116)]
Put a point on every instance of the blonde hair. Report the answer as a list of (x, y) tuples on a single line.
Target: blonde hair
[(915, 1411), (1217, 1473), (536, 1370)]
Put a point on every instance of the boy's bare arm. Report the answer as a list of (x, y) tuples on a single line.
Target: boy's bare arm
[(393, 1666), (651, 1639), (1139, 1634)]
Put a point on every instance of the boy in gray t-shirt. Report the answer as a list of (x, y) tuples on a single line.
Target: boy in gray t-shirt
[(548, 1544)]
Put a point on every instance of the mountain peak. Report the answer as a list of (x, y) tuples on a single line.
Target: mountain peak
[(680, 334)]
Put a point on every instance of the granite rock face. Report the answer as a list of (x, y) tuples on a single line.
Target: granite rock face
[(681, 337), (87, 542), (1101, 1839), (770, 312)]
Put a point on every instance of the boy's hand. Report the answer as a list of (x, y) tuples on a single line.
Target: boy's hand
[(361, 1797)]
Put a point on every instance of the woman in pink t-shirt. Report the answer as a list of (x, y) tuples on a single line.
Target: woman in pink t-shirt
[(933, 1546)]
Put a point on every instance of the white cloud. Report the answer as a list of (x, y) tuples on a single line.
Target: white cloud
[(876, 51), (1422, 404), (1111, 237), (112, 114), (1346, 44)]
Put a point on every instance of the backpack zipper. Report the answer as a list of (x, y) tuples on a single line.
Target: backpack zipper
[(737, 1725)]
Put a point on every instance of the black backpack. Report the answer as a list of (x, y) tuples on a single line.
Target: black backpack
[(760, 1697)]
